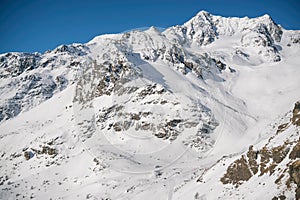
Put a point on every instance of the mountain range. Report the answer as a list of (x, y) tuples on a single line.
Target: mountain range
[(209, 109)]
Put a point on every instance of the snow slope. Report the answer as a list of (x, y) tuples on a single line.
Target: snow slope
[(151, 114)]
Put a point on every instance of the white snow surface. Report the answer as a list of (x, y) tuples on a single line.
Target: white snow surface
[(221, 112)]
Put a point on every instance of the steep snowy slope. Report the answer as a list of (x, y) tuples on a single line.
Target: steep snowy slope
[(150, 114), (267, 170)]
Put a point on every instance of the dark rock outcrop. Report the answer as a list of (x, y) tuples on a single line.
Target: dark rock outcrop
[(296, 114), (237, 172)]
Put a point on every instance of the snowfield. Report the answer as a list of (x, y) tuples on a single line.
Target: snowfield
[(203, 110)]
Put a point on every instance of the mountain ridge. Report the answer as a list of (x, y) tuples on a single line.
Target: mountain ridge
[(174, 53), (148, 108)]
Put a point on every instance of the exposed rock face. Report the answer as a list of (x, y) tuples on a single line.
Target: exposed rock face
[(280, 197), (204, 29), (110, 79), (13, 64), (201, 29), (157, 97), (294, 171), (295, 37), (128, 88), (295, 153), (294, 168), (296, 114), (263, 161), (243, 169), (252, 156), (28, 155), (41, 86), (237, 172), (75, 50), (47, 150), (264, 35), (29, 78), (267, 160)]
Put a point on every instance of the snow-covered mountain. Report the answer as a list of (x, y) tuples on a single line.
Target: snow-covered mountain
[(203, 110)]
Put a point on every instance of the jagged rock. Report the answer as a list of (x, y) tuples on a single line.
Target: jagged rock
[(28, 155), (294, 171), (174, 122), (14, 64), (144, 126), (199, 142), (118, 126), (276, 154), (296, 114), (241, 53), (237, 172), (174, 55), (219, 64), (252, 156), (267, 159), (295, 153), (76, 49), (279, 153), (265, 155), (282, 127), (46, 150), (295, 38), (188, 124), (61, 82), (40, 86), (281, 197), (135, 116), (150, 90)]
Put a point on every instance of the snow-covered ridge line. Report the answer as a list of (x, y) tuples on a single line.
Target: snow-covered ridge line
[(171, 45)]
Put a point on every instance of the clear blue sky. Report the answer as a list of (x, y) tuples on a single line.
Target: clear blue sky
[(39, 25)]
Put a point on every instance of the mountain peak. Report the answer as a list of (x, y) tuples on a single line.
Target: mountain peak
[(202, 16), (266, 19), (153, 29), (265, 16), (203, 13)]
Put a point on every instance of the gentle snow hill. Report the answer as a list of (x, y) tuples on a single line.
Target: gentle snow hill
[(202, 110)]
